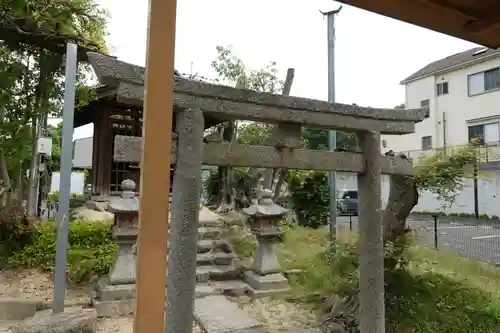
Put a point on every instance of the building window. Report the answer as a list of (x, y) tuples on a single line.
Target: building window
[(484, 133), (484, 81), (426, 142), (442, 88), (425, 104), (492, 79)]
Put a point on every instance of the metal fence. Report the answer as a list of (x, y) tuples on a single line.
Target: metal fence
[(468, 237), (487, 152), (477, 239)]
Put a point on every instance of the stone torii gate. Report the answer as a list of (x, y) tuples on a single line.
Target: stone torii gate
[(195, 102)]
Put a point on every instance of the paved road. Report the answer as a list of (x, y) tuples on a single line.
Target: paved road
[(480, 242)]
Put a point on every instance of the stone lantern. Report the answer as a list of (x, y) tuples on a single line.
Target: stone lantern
[(125, 229), (265, 276)]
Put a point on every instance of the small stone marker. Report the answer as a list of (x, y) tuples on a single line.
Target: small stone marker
[(216, 314), (17, 308), (74, 320)]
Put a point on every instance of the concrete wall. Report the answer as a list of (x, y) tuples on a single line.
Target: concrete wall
[(488, 194), (77, 182)]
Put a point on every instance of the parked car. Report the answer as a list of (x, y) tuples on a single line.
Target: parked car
[(348, 202)]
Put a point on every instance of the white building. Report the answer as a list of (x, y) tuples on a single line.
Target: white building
[(462, 92), (463, 95)]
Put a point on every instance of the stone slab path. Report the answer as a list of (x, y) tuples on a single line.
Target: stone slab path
[(216, 314)]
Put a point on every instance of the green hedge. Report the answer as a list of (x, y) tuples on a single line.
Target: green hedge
[(310, 198), (91, 251)]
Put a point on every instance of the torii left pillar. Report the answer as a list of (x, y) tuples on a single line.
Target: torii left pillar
[(155, 168)]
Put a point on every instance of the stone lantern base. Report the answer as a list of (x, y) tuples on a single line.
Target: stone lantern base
[(124, 269), (264, 275), (263, 285)]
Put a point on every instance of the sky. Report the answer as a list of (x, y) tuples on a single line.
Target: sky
[(373, 53)]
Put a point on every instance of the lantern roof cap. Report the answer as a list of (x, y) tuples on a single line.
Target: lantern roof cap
[(265, 206)]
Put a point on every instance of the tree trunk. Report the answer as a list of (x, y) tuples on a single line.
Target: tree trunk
[(403, 196), (40, 101), (226, 203), (6, 183), (269, 174), (279, 184), (33, 176), (4, 170)]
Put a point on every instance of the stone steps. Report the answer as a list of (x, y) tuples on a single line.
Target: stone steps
[(211, 223), (230, 287), (207, 245), (114, 308), (214, 258), (216, 273), (205, 233), (206, 273)]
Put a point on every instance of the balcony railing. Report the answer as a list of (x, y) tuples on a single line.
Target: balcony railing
[(487, 153)]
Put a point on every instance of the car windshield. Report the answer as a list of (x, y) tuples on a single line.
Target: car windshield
[(350, 194)]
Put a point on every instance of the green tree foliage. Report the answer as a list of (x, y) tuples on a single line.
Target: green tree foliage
[(443, 174), (32, 72), (231, 70), (46, 23), (317, 139), (253, 133)]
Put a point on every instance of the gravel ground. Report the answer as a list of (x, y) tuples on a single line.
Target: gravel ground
[(125, 325), (277, 315), (30, 284)]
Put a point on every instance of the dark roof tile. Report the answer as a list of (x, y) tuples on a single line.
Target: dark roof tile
[(451, 61)]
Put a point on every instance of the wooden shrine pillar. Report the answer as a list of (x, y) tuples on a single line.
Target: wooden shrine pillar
[(102, 154), (155, 168), (95, 156)]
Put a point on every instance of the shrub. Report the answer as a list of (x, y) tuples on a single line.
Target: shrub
[(211, 185), (15, 232), (310, 200), (91, 249), (54, 197)]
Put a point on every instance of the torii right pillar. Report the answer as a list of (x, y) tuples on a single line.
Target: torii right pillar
[(371, 258)]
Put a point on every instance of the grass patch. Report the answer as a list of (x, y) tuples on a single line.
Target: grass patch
[(476, 274), (298, 250), (438, 292)]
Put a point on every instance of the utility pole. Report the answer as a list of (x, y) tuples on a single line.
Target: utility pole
[(65, 180), (332, 135)]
